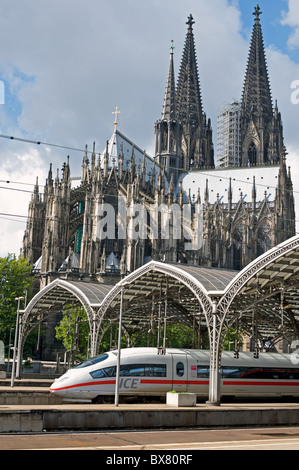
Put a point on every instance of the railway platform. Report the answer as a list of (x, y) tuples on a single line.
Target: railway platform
[(33, 409)]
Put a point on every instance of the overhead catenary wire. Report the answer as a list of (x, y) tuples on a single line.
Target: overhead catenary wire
[(210, 175), (30, 192), (13, 220), (6, 216), (16, 189), (37, 142)]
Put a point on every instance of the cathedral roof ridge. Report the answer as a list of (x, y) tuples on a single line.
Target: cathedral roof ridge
[(230, 168), (131, 142), (141, 157), (241, 179)]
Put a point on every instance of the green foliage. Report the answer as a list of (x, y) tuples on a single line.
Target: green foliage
[(229, 342), (178, 335), (15, 280), (73, 331)]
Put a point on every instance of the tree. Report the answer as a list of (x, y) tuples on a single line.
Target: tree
[(73, 331), (15, 281)]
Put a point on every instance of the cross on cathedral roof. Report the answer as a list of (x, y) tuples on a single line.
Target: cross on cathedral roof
[(172, 47), (257, 12), (190, 21), (116, 112)]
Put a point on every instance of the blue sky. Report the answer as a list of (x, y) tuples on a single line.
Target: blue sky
[(275, 33), (66, 67)]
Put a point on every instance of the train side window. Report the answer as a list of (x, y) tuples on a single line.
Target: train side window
[(135, 370), (180, 369), (98, 374), (155, 370), (106, 372), (110, 371), (203, 371), (159, 370)]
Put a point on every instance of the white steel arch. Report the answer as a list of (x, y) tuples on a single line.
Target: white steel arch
[(169, 271), (53, 297), (264, 276)]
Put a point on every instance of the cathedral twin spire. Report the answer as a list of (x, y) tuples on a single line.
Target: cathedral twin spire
[(261, 134), (189, 104), (261, 127), (169, 105), (190, 138), (257, 99)]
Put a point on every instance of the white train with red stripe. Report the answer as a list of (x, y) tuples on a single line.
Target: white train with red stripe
[(146, 373)]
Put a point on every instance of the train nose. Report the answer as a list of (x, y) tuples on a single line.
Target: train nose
[(58, 387)]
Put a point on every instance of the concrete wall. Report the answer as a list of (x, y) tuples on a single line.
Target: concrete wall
[(94, 417)]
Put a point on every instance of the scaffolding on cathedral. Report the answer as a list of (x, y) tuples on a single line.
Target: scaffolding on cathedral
[(228, 135)]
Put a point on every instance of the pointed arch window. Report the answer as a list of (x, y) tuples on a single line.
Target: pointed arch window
[(252, 154), (263, 238), (237, 247), (79, 239)]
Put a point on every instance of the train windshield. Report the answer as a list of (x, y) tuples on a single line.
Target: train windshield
[(93, 360)]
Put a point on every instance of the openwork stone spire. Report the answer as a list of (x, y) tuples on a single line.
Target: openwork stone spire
[(169, 105), (261, 132), (257, 101), (197, 146), (189, 103)]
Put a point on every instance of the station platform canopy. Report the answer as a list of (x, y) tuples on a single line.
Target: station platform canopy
[(263, 295)]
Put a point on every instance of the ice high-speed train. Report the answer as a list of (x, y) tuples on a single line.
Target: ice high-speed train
[(145, 373)]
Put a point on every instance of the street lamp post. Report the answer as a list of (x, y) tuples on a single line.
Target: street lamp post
[(15, 342), (19, 347), (119, 348), (9, 348)]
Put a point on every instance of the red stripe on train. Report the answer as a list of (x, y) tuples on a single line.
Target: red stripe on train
[(276, 383), (174, 382), (182, 382), (86, 384)]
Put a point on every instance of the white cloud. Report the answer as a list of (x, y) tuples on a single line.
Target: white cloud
[(291, 18), (15, 197)]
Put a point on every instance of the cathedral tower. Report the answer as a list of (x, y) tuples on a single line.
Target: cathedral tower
[(168, 129), (197, 144), (261, 127)]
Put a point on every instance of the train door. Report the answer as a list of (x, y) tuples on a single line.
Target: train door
[(179, 372)]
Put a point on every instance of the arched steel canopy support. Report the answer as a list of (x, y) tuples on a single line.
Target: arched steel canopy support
[(53, 297), (171, 272), (138, 285), (277, 266)]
